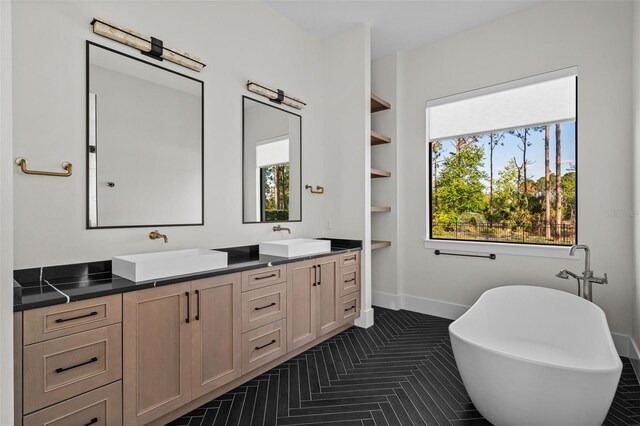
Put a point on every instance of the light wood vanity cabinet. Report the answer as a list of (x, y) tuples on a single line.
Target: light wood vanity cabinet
[(148, 356), (156, 352), (301, 303), (62, 320), (62, 368), (181, 341), (215, 335), (69, 366), (313, 303), (100, 407), (328, 295)]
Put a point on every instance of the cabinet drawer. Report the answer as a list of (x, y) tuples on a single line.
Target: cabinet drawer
[(62, 320), (350, 307), (349, 259), (263, 306), (258, 278), (68, 366), (101, 407), (349, 280), (263, 345)]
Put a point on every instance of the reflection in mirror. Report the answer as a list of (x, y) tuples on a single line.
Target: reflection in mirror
[(145, 143), (272, 144)]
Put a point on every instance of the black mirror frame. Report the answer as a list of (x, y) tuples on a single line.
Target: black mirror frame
[(244, 99), (87, 91)]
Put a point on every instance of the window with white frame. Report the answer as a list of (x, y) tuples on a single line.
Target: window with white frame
[(502, 162)]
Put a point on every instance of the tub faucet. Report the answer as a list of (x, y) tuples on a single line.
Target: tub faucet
[(587, 278)]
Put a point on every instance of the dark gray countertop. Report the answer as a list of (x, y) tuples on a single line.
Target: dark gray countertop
[(53, 285)]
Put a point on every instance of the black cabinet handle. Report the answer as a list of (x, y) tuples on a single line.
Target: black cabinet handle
[(348, 309), (319, 275), (186, 293), (62, 370), (92, 421), (354, 257), (91, 314), (352, 279), (315, 275), (198, 305), (265, 307), (264, 346), (266, 276)]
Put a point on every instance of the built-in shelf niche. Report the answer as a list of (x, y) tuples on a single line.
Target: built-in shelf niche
[(376, 173), (379, 139), (379, 104), (378, 244), (380, 209)]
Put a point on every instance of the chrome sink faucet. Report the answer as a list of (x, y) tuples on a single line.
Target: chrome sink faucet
[(587, 278)]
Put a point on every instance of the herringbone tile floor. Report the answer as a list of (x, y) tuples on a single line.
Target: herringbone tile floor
[(401, 371)]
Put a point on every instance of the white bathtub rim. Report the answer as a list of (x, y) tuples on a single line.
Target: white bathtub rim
[(617, 363)]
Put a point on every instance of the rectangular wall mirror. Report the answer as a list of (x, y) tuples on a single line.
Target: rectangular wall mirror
[(272, 163), (145, 143)]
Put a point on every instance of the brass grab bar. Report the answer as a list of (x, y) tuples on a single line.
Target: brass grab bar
[(22, 163), (319, 189)]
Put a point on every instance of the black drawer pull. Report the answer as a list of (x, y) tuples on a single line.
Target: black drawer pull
[(352, 279), (186, 293), (265, 307), (266, 276), (198, 305), (91, 314), (264, 346), (348, 309), (62, 370), (354, 257), (92, 421)]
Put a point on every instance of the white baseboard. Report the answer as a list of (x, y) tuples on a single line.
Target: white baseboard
[(385, 300), (433, 307), (624, 344), (366, 319), (421, 305), (634, 356)]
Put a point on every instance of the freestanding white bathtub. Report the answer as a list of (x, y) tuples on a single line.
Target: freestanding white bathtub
[(535, 356)]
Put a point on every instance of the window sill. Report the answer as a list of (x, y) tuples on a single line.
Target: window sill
[(561, 252)]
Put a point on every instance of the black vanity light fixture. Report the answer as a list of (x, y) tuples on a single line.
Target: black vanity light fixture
[(275, 95), (149, 46)]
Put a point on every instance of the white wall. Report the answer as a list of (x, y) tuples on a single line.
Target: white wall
[(384, 226), (347, 89), (636, 161), (6, 219), (237, 40), (595, 36)]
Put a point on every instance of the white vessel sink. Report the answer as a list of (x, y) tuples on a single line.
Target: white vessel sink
[(295, 247), (152, 266)]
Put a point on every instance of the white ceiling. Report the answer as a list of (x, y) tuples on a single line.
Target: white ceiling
[(396, 25)]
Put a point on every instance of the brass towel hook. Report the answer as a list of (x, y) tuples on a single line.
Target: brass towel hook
[(319, 189), (22, 163)]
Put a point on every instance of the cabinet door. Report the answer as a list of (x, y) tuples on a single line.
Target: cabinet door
[(216, 327), (301, 303), (157, 352), (328, 298)]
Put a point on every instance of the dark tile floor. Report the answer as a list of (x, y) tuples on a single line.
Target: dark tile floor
[(401, 371)]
